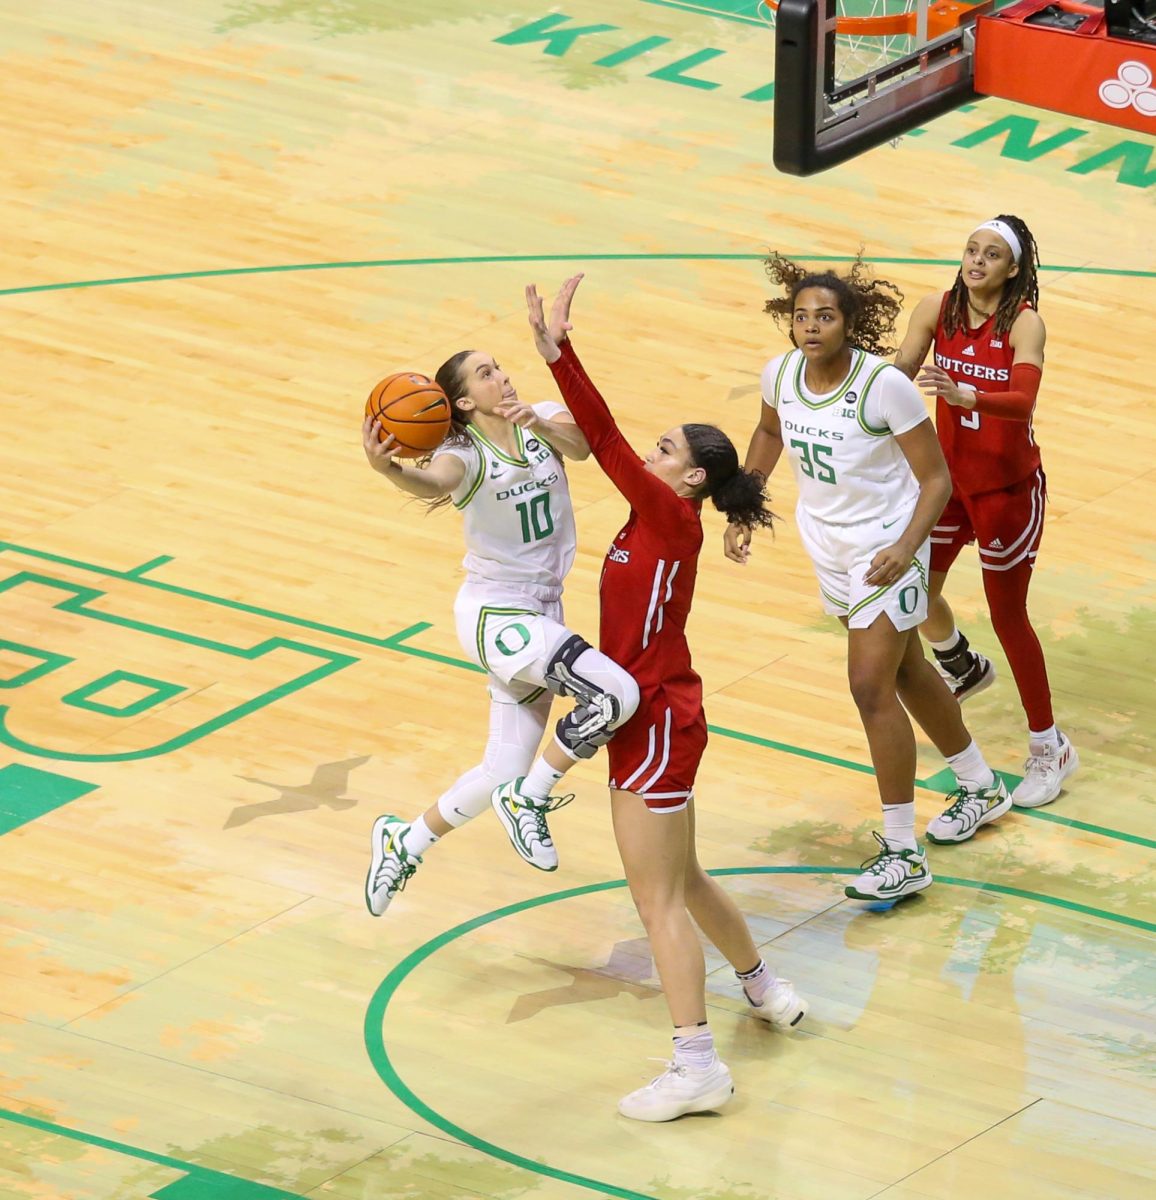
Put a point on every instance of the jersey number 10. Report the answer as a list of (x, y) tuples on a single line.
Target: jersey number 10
[(537, 521)]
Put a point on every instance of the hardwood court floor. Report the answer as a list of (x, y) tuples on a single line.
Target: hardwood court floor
[(226, 645)]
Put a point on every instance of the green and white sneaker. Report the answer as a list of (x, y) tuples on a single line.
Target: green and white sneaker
[(390, 867), (891, 874), (524, 820), (967, 811)]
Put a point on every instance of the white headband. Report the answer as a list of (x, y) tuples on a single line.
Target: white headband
[(1006, 232)]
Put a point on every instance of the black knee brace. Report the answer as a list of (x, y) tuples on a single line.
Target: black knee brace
[(588, 725)]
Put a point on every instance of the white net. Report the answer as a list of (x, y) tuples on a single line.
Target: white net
[(860, 50)]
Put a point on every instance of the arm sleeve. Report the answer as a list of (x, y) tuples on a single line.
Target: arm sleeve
[(649, 497), (895, 404), (1017, 403)]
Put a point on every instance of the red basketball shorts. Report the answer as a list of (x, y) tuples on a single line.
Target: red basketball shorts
[(1007, 525), (657, 758)]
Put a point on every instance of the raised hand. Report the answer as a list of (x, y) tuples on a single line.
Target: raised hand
[(559, 325), (544, 340)]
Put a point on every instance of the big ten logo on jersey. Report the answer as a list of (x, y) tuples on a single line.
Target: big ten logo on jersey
[(831, 435), (130, 671), (849, 411)]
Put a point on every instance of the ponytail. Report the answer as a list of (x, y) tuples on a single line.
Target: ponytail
[(739, 495), (450, 377)]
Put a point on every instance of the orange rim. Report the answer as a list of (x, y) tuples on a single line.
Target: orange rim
[(890, 25)]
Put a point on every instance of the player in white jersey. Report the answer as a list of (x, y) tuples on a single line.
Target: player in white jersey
[(872, 483), (502, 466)]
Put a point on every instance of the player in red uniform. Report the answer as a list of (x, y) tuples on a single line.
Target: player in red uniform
[(988, 339), (646, 592)]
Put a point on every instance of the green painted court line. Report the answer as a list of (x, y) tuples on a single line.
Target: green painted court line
[(500, 259), (398, 642), (27, 793), (1117, 834), (201, 1183), (144, 568), (380, 1001), (79, 601), (786, 748)]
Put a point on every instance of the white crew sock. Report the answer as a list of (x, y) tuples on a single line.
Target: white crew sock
[(899, 826), (418, 838), (694, 1046), (540, 780), (971, 769)]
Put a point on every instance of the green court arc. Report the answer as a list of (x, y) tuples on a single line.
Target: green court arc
[(379, 1002), (218, 1182), (507, 259)]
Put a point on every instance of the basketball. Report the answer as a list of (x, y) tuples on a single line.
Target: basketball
[(414, 409)]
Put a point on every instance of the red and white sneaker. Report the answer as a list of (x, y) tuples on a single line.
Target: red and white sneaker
[(1044, 774)]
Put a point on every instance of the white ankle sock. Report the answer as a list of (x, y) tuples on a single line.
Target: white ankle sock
[(694, 1046), (418, 838), (755, 983), (540, 780), (971, 769), (899, 826), (1043, 739)]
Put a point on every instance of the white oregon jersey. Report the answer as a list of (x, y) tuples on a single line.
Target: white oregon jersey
[(842, 444), (519, 522)]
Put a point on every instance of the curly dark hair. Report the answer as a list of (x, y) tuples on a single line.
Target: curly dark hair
[(740, 495), (1021, 288), (869, 306), (451, 378)]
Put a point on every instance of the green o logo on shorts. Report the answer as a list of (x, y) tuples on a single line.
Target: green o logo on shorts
[(907, 604), (517, 630)]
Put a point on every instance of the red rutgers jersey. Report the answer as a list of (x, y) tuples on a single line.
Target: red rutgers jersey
[(984, 453), (649, 572)]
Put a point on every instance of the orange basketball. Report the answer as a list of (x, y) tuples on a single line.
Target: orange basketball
[(414, 409)]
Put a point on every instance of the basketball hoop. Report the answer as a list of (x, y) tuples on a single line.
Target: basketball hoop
[(942, 17)]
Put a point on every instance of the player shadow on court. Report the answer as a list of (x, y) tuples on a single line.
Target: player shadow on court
[(326, 789), (628, 965)]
